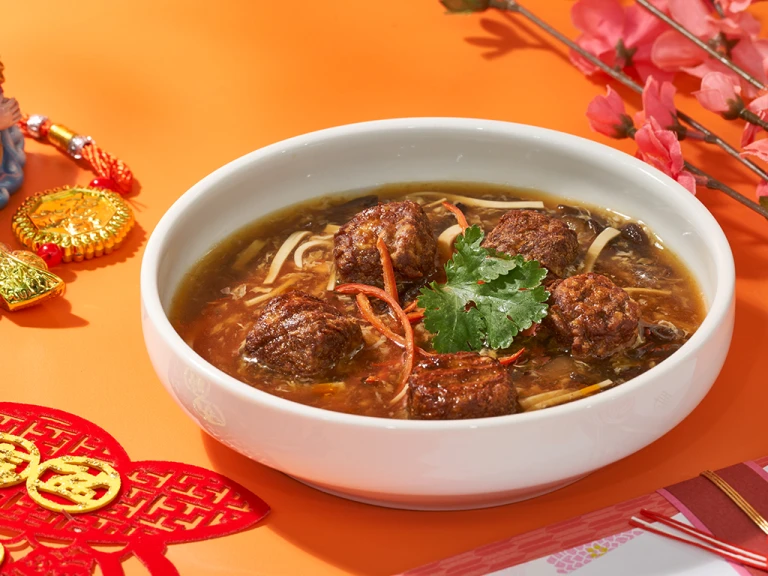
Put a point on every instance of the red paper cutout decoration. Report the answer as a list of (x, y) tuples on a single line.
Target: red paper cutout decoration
[(159, 503)]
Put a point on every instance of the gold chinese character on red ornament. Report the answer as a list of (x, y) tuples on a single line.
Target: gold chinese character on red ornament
[(18, 458), (74, 484)]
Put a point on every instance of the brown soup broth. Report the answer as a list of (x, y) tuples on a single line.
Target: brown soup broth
[(217, 301)]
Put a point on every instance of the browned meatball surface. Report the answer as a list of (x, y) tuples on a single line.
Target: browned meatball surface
[(535, 236), (458, 386), (301, 335), (592, 315), (405, 229)]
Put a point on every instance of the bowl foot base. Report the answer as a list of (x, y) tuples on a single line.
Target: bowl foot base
[(442, 503)]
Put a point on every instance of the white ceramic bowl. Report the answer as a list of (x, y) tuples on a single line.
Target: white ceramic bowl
[(429, 464)]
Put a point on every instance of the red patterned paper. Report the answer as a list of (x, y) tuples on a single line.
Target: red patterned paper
[(566, 535), (544, 541), (159, 503)]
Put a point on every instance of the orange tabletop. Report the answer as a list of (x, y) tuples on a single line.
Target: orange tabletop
[(177, 89)]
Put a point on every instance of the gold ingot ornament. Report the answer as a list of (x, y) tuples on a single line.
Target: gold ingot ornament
[(12, 459), (73, 482), (84, 222), (25, 280)]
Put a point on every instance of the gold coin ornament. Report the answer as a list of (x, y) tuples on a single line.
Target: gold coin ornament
[(76, 480), (30, 258), (25, 280), (83, 222), (18, 459)]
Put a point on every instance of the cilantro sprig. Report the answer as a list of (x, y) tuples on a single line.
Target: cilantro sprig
[(488, 298)]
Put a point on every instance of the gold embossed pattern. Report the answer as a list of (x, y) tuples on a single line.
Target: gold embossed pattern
[(25, 281), (84, 222), (71, 212)]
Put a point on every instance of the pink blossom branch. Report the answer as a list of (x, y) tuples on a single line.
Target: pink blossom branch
[(709, 136), (701, 44), (713, 184), (752, 118), (718, 8)]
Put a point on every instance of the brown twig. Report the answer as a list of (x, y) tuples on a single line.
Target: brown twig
[(752, 118), (718, 8), (714, 184)]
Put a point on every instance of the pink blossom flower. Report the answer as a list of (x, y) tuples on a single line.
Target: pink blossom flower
[(735, 37), (659, 104), (661, 149), (758, 149), (758, 106), (620, 36), (607, 115), (721, 94), (735, 6)]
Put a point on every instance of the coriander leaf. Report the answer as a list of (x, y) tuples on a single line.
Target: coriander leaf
[(508, 313), (472, 262), (487, 300), (458, 6), (454, 328)]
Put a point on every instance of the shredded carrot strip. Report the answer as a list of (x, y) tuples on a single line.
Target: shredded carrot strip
[(416, 317), (364, 305), (411, 307), (460, 218), (569, 396), (507, 360), (390, 284), (531, 331), (410, 344)]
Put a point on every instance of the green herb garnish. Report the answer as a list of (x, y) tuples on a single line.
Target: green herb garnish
[(489, 297)]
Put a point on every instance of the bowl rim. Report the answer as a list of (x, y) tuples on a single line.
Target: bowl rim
[(716, 243)]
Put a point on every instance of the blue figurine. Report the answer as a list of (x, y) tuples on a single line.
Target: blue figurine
[(12, 157)]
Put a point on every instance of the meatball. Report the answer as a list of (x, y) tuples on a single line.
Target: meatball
[(301, 335), (405, 229), (535, 236), (592, 315), (458, 386)]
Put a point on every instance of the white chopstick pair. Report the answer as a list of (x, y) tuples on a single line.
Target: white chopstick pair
[(670, 528)]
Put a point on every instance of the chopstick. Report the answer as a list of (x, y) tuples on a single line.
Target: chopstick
[(689, 535)]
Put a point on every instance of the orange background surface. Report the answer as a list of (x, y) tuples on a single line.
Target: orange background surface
[(178, 88)]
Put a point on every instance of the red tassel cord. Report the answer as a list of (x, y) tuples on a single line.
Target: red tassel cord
[(112, 173)]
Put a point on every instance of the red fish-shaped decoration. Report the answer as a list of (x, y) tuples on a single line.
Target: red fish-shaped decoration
[(156, 503)]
